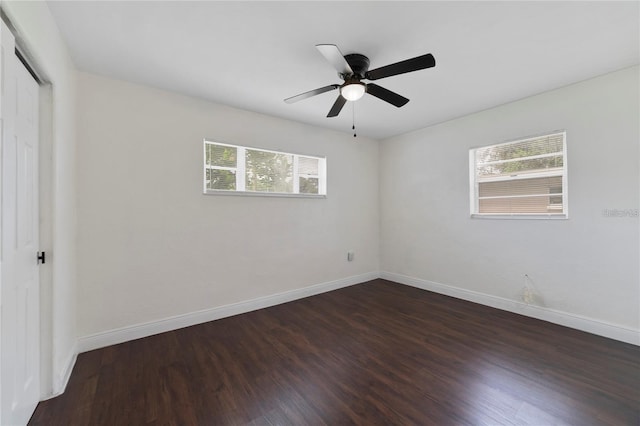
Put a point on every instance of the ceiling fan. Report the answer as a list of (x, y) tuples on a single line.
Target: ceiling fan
[(354, 68)]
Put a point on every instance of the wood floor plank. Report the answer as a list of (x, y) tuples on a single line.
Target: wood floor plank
[(374, 353)]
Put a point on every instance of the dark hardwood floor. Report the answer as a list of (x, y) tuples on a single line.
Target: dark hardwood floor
[(370, 354)]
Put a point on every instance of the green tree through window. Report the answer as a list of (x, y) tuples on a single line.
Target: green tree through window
[(269, 171), (236, 168)]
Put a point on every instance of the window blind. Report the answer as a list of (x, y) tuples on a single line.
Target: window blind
[(234, 168), (525, 177)]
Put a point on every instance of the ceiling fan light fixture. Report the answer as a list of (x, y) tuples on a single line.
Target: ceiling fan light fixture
[(353, 68), (353, 91)]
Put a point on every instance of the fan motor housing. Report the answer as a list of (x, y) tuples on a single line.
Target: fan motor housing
[(358, 63)]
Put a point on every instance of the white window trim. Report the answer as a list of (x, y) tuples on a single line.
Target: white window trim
[(525, 175), (296, 175), (241, 178), (474, 183), (241, 175)]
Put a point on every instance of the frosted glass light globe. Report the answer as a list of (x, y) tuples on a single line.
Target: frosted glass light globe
[(353, 91)]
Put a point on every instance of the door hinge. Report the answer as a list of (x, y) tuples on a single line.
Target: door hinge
[(41, 257)]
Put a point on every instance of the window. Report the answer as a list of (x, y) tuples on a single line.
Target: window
[(524, 178), (239, 169)]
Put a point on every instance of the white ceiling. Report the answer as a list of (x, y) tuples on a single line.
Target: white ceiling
[(252, 55)]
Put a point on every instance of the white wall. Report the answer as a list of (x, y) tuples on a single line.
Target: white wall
[(586, 266), (40, 38), (152, 246)]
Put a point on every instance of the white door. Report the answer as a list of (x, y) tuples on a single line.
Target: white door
[(19, 283)]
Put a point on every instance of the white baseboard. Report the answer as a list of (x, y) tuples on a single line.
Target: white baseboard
[(125, 334), (113, 337), (578, 322), (61, 379)]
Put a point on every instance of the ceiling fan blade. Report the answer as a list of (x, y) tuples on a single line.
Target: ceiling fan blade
[(337, 107), (332, 54), (386, 95), (311, 93), (409, 65)]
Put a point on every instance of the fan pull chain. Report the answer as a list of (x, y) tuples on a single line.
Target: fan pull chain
[(353, 126)]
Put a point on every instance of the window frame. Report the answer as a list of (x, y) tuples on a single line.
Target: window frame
[(240, 173), (560, 171)]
